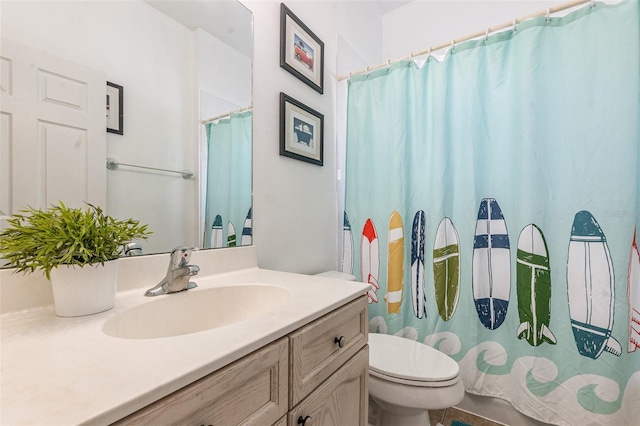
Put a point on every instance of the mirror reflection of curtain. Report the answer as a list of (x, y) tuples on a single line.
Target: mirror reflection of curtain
[(228, 197)]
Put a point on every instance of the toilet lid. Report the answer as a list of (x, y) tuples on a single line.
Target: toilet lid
[(401, 358)]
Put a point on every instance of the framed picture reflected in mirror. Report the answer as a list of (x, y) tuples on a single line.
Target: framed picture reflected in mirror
[(115, 115)]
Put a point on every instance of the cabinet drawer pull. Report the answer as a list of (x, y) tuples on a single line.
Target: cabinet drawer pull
[(303, 421), (339, 341)]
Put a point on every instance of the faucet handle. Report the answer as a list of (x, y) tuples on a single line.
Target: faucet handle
[(181, 255)]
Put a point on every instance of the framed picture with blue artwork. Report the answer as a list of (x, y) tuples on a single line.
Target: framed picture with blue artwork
[(301, 51), (301, 131)]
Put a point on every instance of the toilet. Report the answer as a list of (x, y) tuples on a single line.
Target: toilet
[(408, 378)]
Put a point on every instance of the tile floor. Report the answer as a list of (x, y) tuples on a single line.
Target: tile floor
[(448, 415), (444, 417)]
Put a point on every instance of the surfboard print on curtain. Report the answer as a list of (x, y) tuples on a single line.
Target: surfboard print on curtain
[(247, 231), (347, 246), (216, 232), (446, 268), (395, 264), (491, 278), (231, 235), (633, 295), (533, 287), (591, 288), (417, 265), (370, 260)]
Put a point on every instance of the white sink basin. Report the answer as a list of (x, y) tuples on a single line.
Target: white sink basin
[(195, 310)]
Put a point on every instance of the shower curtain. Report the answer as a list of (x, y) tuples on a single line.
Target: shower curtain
[(228, 196), (492, 202)]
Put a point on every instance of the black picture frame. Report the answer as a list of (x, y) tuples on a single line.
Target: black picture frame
[(301, 51), (301, 131), (114, 108)]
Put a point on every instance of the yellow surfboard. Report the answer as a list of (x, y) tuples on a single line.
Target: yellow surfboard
[(395, 264)]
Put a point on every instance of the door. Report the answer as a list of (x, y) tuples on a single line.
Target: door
[(52, 131)]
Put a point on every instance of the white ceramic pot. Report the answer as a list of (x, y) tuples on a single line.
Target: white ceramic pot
[(84, 291)]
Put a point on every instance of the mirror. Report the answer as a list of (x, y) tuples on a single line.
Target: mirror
[(178, 64)]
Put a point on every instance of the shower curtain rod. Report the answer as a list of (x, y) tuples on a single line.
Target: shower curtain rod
[(218, 117), (477, 34)]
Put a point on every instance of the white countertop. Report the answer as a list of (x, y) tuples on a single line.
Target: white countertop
[(66, 371)]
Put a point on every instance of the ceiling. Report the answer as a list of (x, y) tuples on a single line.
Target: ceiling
[(390, 5), (228, 20)]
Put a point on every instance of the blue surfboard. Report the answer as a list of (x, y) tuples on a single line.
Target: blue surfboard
[(215, 240), (491, 279), (591, 288), (247, 231), (347, 246), (417, 265)]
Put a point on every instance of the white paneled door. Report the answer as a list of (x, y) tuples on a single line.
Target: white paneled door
[(52, 131)]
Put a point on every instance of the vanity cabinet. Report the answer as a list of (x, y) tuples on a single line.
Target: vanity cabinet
[(317, 375)]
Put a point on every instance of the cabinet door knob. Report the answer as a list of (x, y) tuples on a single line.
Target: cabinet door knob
[(339, 341), (303, 420)]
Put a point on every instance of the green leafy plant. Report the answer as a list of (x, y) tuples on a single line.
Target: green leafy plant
[(45, 239)]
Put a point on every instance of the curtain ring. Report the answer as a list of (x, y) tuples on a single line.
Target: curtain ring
[(514, 25), (547, 16), (429, 53), (453, 44), (486, 35), (349, 74), (592, 4)]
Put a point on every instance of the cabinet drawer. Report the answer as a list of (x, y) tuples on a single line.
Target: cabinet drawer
[(341, 400), (251, 391), (314, 350)]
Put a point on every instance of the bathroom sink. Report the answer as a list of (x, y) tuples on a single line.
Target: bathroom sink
[(195, 310)]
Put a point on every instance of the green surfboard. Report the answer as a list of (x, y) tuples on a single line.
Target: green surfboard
[(446, 268), (533, 285)]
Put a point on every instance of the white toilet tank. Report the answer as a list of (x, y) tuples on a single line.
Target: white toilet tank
[(337, 275)]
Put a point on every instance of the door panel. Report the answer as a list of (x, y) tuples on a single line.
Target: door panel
[(53, 136)]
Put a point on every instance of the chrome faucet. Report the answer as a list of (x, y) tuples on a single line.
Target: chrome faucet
[(178, 273)]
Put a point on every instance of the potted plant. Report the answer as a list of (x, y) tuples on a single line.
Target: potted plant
[(76, 249)]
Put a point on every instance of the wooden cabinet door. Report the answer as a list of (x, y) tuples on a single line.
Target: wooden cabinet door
[(249, 392), (341, 400)]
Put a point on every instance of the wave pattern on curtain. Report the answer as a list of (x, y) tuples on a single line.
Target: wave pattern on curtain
[(492, 200), (228, 199)]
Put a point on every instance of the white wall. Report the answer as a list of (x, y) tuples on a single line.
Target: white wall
[(151, 56), (295, 203), (222, 71)]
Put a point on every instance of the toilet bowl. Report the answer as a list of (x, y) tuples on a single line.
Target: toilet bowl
[(408, 378)]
